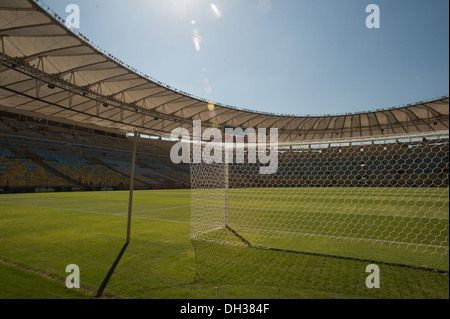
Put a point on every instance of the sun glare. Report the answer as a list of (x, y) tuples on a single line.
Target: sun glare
[(187, 9)]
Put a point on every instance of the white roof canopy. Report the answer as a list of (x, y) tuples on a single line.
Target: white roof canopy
[(48, 71)]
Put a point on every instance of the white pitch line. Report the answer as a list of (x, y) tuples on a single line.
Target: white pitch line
[(159, 209), (98, 213)]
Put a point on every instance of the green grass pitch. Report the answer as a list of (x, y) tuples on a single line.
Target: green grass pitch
[(40, 234)]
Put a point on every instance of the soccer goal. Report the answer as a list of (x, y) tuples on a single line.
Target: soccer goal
[(381, 200)]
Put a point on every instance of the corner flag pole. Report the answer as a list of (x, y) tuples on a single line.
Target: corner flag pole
[(133, 169)]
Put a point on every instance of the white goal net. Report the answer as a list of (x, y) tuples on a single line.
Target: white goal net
[(383, 201)]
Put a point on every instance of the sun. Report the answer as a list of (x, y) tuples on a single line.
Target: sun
[(187, 9)]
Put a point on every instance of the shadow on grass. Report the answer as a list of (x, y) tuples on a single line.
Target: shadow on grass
[(310, 275), (111, 271)]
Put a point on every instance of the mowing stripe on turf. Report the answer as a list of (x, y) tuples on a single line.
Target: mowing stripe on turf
[(344, 238), (100, 213)]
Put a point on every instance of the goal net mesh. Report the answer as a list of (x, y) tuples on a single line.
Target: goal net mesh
[(377, 201)]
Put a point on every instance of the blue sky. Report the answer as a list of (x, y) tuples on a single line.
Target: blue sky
[(299, 57)]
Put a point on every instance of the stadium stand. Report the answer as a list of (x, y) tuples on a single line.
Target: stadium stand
[(36, 154), (397, 163)]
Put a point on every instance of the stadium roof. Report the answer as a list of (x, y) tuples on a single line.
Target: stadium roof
[(51, 72)]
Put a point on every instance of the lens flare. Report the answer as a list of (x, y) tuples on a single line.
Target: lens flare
[(197, 39), (216, 11)]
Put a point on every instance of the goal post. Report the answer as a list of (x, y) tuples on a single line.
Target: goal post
[(132, 176), (382, 200)]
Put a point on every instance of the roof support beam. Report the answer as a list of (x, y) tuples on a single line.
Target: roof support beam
[(2, 48), (49, 52), (25, 68), (30, 9), (38, 80), (30, 26), (31, 98)]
